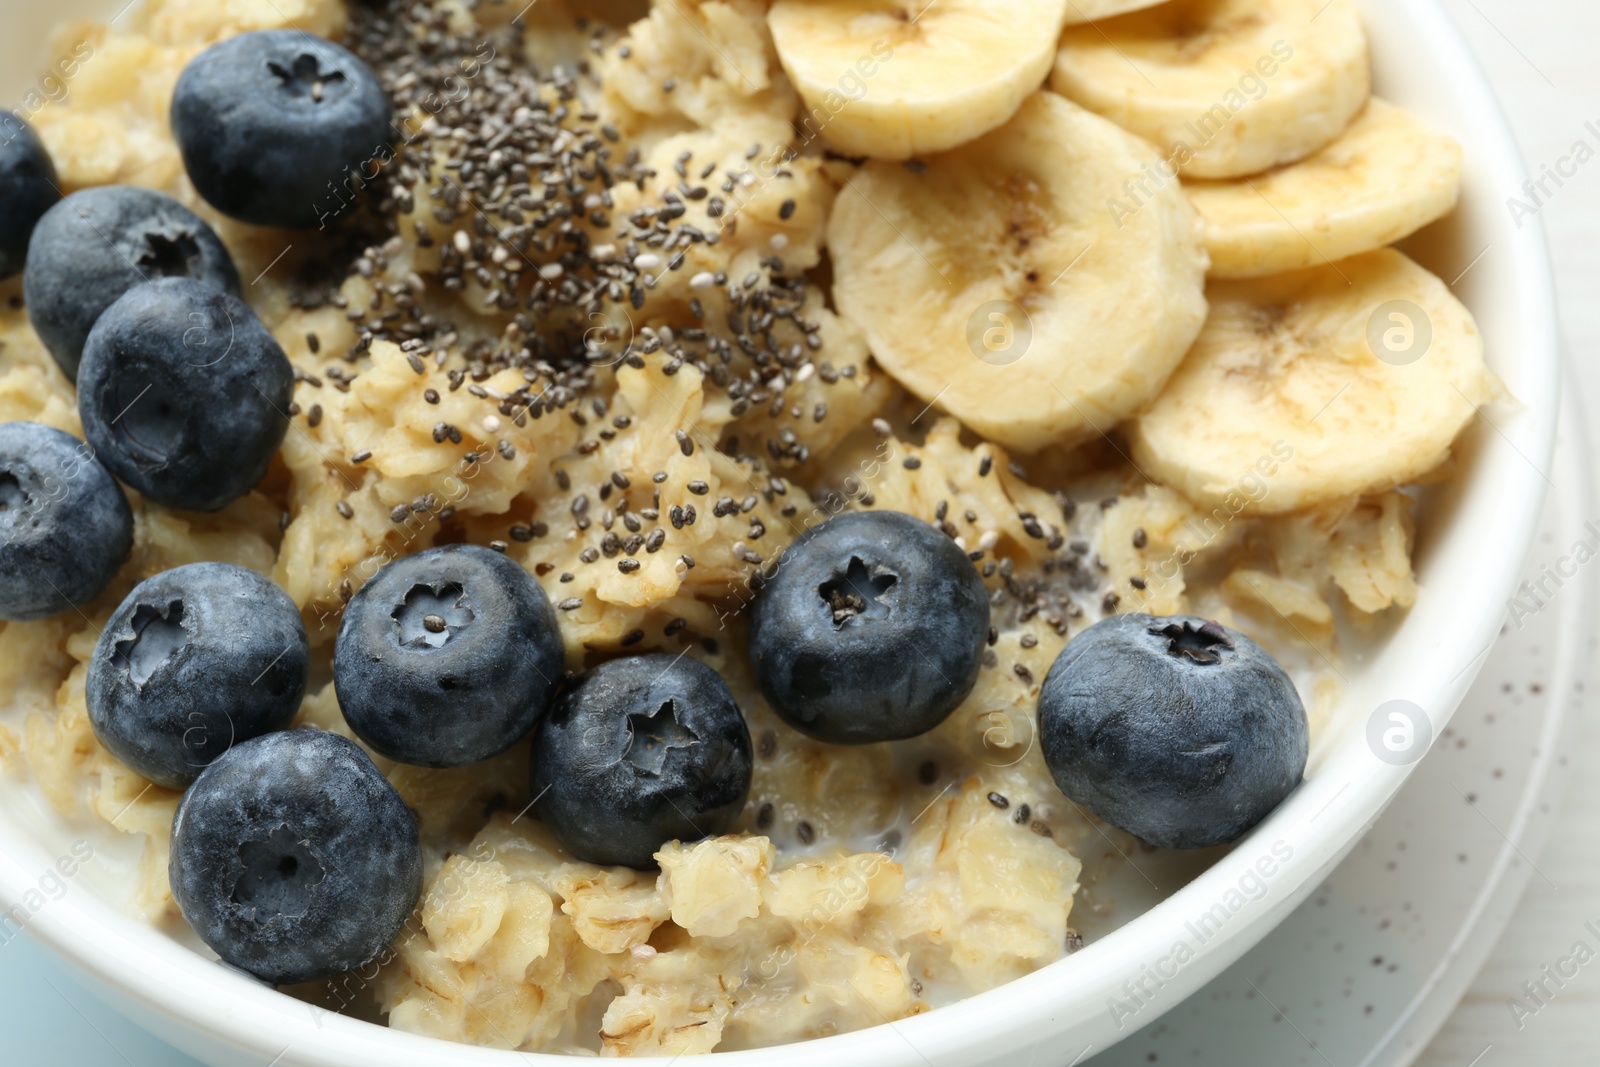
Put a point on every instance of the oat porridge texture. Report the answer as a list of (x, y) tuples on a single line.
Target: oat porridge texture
[(719, 406)]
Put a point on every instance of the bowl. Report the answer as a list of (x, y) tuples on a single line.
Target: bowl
[(1468, 554)]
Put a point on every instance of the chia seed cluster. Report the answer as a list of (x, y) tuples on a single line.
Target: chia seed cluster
[(520, 176), (518, 179)]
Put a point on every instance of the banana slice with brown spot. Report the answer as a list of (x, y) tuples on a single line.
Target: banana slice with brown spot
[(1387, 176), (1224, 87), (889, 79), (1328, 383), (996, 284)]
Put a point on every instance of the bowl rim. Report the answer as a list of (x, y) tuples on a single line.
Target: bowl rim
[(178, 992)]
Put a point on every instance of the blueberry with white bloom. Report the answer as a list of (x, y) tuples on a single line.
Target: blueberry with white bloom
[(65, 526), (28, 188), (184, 394), (872, 629), (447, 657), (638, 752), (272, 123), (1180, 731), (96, 245), (294, 859), (194, 661)]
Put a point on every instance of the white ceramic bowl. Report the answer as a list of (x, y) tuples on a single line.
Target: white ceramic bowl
[(1468, 556)]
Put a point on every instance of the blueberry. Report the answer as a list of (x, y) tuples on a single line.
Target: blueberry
[(96, 245), (183, 393), (27, 189), (65, 527), (1178, 730), (638, 752), (195, 660), (872, 629), (277, 126), (447, 657), (294, 859)]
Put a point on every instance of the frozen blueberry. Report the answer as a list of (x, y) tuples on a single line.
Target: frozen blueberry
[(183, 393), (294, 859), (196, 660), (27, 189), (872, 629), (65, 527), (639, 752), (447, 657), (276, 125), (1180, 731), (96, 245)]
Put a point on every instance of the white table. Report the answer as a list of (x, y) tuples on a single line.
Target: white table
[(1541, 57)]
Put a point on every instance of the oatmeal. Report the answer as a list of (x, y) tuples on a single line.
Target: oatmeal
[(580, 312)]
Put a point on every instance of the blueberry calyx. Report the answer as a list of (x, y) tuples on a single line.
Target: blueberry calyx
[(157, 635), (650, 737), (858, 591), (1198, 644), (430, 615), (12, 495), (170, 257), (277, 876), (306, 77)]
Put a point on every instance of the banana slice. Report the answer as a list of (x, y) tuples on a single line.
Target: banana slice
[(996, 283), (892, 80), (1324, 384), (1081, 11), (1387, 176), (1225, 87)]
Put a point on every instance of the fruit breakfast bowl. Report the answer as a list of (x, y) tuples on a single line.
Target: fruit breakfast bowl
[(1160, 923)]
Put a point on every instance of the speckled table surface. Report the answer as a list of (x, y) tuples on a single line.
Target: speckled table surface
[(1540, 56)]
